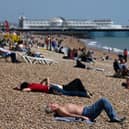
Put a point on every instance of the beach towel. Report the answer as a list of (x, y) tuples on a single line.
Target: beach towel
[(72, 119)]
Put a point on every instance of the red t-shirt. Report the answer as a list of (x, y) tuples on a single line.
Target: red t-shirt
[(38, 87)]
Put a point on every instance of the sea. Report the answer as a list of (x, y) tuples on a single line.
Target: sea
[(108, 43)]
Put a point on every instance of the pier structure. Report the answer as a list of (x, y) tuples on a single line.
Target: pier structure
[(81, 28)]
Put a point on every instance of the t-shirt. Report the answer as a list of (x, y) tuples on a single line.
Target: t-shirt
[(38, 87)]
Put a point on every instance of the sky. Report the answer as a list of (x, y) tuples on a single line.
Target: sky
[(117, 10)]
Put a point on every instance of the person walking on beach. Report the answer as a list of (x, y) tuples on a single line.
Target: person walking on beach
[(85, 112), (47, 42), (125, 54)]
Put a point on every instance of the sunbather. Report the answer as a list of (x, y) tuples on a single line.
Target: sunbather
[(74, 88), (35, 54), (84, 112)]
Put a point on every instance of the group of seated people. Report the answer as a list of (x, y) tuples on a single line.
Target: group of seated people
[(120, 66), (86, 56), (81, 53), (5, 53)]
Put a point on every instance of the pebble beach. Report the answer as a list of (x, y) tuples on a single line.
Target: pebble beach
[(21, 110)]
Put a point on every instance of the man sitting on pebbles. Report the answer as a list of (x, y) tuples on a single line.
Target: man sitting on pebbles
[(74, 88)]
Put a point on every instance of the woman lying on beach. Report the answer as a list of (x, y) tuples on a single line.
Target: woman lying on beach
[(74, 88)]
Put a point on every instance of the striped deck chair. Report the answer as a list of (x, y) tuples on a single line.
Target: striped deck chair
[(37, 60)]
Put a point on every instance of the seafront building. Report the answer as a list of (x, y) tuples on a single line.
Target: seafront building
[(62, 23)]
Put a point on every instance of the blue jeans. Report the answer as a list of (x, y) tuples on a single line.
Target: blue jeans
[(57, 90), (95, 109), (5, 54), (12, 55)]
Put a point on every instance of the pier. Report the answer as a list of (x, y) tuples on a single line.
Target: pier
[(75, 27)]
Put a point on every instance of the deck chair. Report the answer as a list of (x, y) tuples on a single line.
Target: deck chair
[(37, 60)]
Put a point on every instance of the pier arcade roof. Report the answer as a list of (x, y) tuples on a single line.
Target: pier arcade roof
[(57, 21)]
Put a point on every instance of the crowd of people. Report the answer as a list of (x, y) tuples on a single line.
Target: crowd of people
[(73, 88), (81, 53), (9, 47)]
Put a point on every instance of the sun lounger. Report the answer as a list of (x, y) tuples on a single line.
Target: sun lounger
[(37, 60)]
